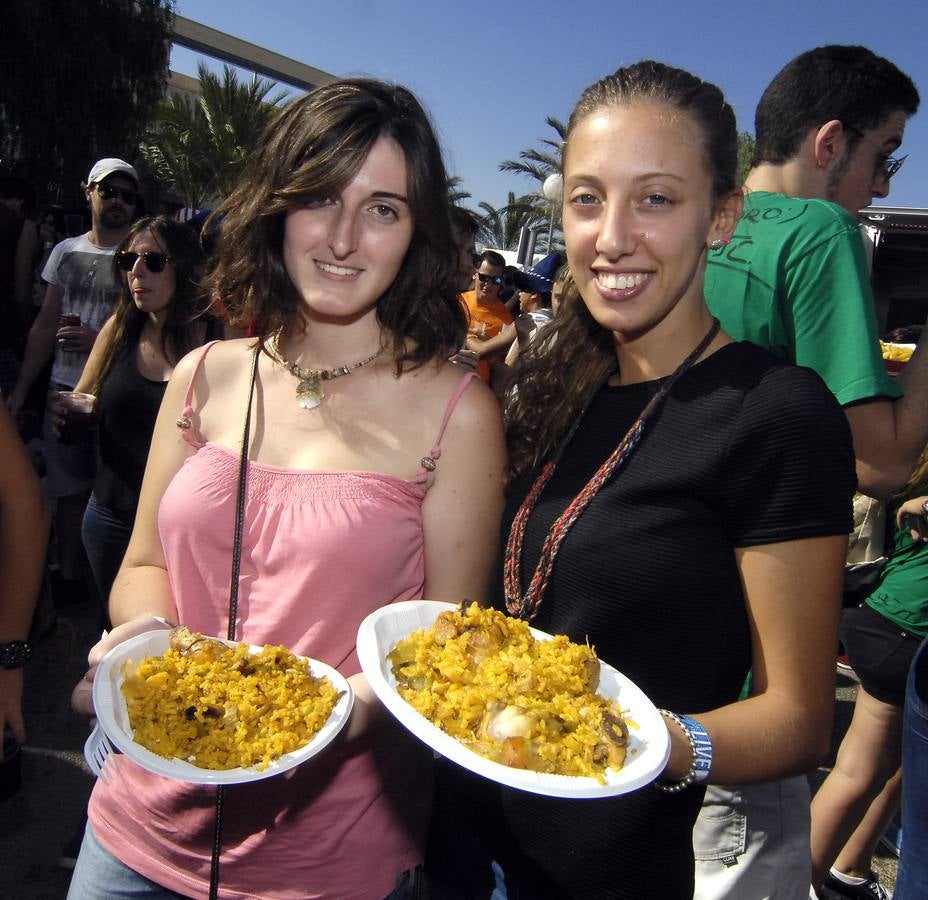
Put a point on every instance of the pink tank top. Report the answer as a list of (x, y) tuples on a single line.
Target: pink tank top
[(320, 551)]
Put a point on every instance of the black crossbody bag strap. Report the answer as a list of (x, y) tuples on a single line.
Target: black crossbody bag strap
[(233, 605)]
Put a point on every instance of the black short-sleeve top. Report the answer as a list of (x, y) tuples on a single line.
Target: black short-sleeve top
[(746, 450)]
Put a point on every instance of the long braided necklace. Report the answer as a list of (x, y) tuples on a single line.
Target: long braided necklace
[(525, 604)]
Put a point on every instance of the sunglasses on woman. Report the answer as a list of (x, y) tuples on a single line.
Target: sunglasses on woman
[(153, 260)]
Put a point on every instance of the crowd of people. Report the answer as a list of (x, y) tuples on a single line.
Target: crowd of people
[(650, 443)]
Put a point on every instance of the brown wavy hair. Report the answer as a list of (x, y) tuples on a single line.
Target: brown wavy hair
[(180, 332), (559, 371), (312, 149)]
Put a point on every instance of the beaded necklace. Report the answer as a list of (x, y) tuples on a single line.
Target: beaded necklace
[(309, 390), (525, 605)]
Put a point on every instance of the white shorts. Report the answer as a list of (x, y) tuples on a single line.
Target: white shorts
[(752, 842)]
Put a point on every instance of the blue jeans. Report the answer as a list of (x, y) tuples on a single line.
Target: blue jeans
[(98, 874), (499, 882), (105, 533), (913, 860)]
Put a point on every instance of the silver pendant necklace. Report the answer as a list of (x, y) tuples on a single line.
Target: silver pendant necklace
[(309, 390)]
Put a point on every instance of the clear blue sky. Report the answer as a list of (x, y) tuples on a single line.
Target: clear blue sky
[(490, 73)]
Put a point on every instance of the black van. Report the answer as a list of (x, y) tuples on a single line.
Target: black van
[(897, 241)]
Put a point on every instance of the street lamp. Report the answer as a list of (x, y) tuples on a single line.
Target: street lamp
[(553, 190)]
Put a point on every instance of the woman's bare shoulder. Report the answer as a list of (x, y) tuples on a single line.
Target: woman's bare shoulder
[(210, 372), (476, 403), (440, 379), (221, 358)]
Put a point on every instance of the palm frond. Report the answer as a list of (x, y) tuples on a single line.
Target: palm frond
[(524, 168), (199, 148)]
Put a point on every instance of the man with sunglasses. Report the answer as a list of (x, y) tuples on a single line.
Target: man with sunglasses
[(795, 280), (487, 314), (82, 286)]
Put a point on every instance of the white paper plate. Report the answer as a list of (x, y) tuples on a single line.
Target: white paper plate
[(649, 743), (110, 706)]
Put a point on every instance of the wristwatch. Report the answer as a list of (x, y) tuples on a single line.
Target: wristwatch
[(14, 654)]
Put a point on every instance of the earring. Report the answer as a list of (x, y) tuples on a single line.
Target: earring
[(718, 243)]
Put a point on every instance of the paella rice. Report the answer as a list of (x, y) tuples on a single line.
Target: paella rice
[(896, 352), (482, 678), (220, 707)]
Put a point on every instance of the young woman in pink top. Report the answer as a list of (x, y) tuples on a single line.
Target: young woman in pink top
[(379, 481)]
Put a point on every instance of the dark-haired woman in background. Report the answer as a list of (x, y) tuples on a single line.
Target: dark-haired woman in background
[(680, 501), (375, 474), (158, 320)]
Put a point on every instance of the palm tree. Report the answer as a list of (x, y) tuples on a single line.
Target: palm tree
[(539, 165), (456, 193), (175, 151), (500, 228), (199, 147)]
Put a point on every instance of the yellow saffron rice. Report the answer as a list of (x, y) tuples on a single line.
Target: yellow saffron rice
[(482, 678), (221, 707), (896, 352)]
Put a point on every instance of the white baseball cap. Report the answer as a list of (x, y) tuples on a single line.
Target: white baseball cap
[(103, 168)]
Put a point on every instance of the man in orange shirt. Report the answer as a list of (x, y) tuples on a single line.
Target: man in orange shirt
[(486, 313)]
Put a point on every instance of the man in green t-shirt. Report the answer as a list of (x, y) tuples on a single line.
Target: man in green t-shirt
[(795, 279)]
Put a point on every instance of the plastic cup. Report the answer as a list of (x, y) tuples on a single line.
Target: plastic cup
[(66, 319), (78, 416)]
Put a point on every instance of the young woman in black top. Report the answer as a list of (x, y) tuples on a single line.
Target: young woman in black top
[(678, 499), (158, 320)]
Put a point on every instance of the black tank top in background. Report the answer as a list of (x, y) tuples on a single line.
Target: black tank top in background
[(127, 407)]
